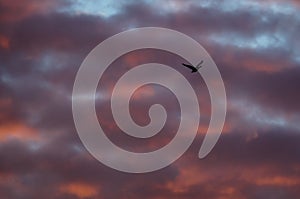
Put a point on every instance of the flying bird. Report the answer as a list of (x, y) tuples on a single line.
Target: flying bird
[(194, 69)]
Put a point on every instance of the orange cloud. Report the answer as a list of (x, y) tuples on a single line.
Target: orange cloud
[(189, 176), (195, 175), (4, 42), (13, 129), (145, 91), (19, 131), (262, 176), (278, 181), (14, 10), (262, 66), (132, 59), (81, 190)]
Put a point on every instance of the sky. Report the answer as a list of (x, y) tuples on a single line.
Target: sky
[(256, 46)]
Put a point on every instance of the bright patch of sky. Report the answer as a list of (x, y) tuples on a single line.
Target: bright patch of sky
[(108, 8), (252, 5), (51, 62), (259, 115), (260, 41), (105, 8), (169, 6), (297, 58)]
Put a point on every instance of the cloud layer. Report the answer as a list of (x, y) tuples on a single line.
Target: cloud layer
[(256, 47)]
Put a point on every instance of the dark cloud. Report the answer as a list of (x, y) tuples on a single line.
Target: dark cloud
[(42, 44), (14, 10)]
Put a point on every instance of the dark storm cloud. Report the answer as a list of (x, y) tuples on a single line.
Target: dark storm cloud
[(41, 155), (276, 91), (51, 167), (54, 167), (60, 32), (15, 10)]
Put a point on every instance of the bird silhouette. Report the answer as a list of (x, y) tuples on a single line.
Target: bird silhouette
[(194, 69)]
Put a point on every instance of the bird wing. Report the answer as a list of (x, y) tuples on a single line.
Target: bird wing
[(199, 65), (189, 66)]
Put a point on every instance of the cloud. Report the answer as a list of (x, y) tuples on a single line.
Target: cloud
[(80, 190), (254, 44), (15, 10)]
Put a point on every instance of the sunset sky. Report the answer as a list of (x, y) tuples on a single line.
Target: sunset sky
[(256, 46)]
